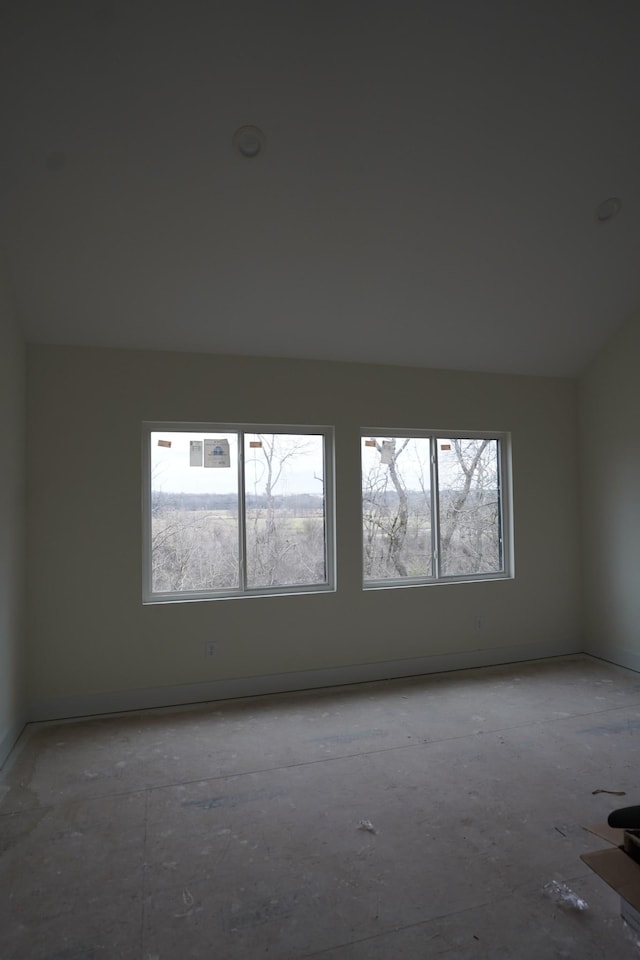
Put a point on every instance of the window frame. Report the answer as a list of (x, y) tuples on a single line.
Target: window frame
[(242, 591), (505, 512)]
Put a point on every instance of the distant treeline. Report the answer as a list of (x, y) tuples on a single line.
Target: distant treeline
[(297, 503), (301, 504)]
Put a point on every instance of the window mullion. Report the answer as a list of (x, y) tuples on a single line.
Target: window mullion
[(500, 475), (242, 515), (435, 510), (328, 543), (147, 500)]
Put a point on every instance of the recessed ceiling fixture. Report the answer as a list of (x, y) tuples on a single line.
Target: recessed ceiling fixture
[(608, 209), (249, 142)]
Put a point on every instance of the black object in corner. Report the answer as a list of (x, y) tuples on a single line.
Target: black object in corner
[(625, 818)]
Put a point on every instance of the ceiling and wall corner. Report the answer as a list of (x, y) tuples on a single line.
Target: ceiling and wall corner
[(427, 193)]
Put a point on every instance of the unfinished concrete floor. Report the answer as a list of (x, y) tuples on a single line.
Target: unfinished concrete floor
[(231, 830)]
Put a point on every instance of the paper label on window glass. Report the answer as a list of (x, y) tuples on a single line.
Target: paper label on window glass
[(445, 446), (369, 443), (164, 443), (195, 453), (216, 453), (255, 443), (388, 450)]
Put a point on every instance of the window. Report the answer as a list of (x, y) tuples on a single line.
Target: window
[(232, 511), (433, 508)]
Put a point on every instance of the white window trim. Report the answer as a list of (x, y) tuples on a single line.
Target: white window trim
[(506, 507), (242, 591)]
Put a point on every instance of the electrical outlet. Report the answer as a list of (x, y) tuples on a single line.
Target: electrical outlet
[(210, 648)]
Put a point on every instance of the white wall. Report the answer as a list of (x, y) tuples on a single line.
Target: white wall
[(95, 646), (12, 484), (610, 470)]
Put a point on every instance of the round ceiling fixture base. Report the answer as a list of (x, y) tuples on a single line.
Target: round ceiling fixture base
[(249, 142), (608, 209)]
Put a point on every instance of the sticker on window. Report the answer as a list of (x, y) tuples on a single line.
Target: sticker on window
[(195, 453), (388, 450), (216, 453)]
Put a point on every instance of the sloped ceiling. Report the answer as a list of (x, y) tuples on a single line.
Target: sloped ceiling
[(426, 195)]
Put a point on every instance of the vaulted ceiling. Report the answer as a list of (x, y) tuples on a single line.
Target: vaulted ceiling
[(426, 193)]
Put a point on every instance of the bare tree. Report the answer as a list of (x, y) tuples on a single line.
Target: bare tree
[(397, 511), (191, 549), (276, 552), (386, 513), (470, 509), (195, 537), (194, 550)]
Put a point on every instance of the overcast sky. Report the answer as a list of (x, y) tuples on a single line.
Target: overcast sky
[(171, 470)]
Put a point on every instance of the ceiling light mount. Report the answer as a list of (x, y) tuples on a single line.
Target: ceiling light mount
[(249, 142), (608, 209)]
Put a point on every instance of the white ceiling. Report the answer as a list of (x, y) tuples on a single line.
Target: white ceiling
[(426, 197)]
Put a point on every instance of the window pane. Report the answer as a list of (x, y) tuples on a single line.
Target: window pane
[(396, 508), (285, 509), (469, 495), (194, 512)]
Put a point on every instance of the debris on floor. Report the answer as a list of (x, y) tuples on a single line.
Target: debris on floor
[(367, 825), (562, 894), (614, 793)]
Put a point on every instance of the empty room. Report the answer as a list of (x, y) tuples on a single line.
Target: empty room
[(319, 510)]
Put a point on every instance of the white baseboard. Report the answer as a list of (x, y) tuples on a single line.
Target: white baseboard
[(10, 738), (119, 701)]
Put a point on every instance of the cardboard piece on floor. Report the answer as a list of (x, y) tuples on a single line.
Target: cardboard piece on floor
[(618, 870), (605, 832)]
